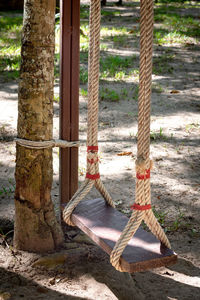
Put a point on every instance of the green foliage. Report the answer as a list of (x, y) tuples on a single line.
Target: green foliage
[(157, 88), (134, 73), (10, 45), (177, 224), (109, 95), (160, 216), (178, 221), (84, 37), (84, 12), (157, 135), (83, 92), (83, 75), (9, 23), (56, 98), (83, 57), (57, 65)]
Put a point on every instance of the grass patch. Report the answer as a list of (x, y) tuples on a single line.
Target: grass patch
[(119, 37), (192, 127), (157, 135), (161, 64), (135, 93), (170, 38), (7, 190), (115, 66), (175, 28), (109, 95), (114, 31), (109, 13), (178, 223)]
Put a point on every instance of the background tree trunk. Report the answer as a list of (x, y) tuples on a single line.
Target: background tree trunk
[(36, 227)]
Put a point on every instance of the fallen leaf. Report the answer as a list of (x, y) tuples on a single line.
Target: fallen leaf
[(174, 92), (133, 30), (124, 153)]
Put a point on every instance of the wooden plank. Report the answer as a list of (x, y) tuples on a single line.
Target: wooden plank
[(104, 224)]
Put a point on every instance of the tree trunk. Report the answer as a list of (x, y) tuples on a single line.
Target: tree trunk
[(36, 227)]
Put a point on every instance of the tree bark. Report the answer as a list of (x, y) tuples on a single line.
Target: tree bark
[(36, 227)]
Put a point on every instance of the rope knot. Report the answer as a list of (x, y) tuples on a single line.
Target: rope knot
[(92, 158), (143, 168)]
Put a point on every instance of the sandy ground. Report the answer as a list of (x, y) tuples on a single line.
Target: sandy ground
[(175, 149)]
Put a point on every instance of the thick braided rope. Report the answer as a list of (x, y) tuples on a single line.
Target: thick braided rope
[(78, 196), (143, 163), (92, 175), (93, 97)]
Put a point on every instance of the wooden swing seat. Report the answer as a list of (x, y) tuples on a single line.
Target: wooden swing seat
[(104, 224)]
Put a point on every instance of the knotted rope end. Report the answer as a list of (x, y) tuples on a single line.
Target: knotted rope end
[(143, 168)]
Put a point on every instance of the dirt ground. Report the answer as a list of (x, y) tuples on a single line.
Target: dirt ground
[(80, 270)]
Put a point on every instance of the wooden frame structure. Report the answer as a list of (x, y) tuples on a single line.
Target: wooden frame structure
[(69, 96)]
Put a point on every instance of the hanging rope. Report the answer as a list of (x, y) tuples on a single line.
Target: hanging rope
[(142, 206), (92, 174)]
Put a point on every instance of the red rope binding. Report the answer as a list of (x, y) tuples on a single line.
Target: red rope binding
[(93, 161), (92, 148), (143, 176), (136, 206), (93, 176)]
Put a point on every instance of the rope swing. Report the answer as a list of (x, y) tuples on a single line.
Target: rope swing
[(142, 210)]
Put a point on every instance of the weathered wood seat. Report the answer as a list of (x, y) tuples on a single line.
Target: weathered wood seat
[(104, 224)]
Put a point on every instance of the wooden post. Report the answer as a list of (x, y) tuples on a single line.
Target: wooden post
[(69, 97)]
